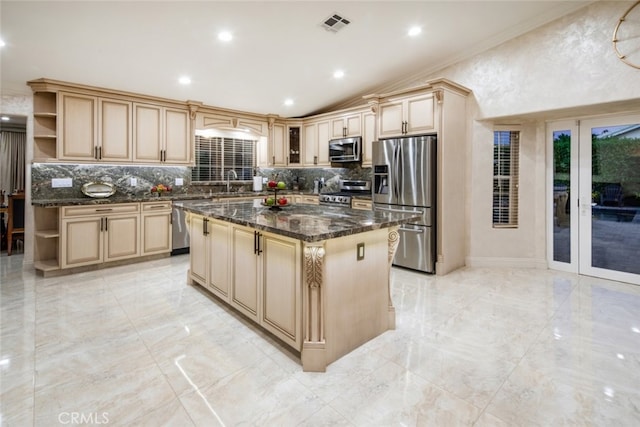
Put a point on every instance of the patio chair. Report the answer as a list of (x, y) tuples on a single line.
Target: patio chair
[(611, 195)]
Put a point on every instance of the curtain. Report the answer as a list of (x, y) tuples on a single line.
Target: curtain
[(12, 155)]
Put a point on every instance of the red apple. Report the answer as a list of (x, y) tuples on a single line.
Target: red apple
[(282, 201), (272, 184)]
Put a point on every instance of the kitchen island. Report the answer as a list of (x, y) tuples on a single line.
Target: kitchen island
[(316, 277)]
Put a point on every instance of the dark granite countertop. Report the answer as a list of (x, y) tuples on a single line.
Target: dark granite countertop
[(309, 223), (151, 198)]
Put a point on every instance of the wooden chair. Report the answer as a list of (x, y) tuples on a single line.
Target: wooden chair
[(15, 219)]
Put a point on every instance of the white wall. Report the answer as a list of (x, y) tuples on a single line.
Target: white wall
[(565, 64), (23, 106)]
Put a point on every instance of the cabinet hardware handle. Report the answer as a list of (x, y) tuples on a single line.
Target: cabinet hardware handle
[(315, 160), (259, 250), (104, 210), (344, 131), (95, 153), (156, 207), (255, 242), (106, 224), (99, 153), (273, 160), (205, 227), (287, 159), (101, 226)]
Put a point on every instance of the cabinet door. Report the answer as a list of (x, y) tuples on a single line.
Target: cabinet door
[(198, 249), (147, 135), (219, 277), (323, 144), (353, 125), (346, 126), (156, 233), (244, 292), (78, 132), (310, 138), (114, 128), (122, 237), (177, 137), (391, 119), (277, 143), (368, 136), (295, 153), (82, 241), (281, 288), (338, 128), (420, 114)]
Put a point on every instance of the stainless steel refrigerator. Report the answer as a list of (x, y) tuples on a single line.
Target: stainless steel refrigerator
[(404, 175)]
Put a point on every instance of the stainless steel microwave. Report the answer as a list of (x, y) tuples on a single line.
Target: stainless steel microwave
[(345, 149)]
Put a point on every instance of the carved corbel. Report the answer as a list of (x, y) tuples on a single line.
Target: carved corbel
[(393, 242), (313, 349), (439, 94)]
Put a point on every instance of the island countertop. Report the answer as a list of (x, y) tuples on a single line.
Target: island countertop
[(308, 223)]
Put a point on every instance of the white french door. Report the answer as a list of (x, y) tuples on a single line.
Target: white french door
[(594, 203)]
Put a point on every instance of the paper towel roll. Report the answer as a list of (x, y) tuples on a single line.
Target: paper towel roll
[(257, 183)]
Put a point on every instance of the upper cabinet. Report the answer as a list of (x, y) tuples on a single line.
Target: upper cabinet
[(407, 116), (85, 124), (93, 128), (346, 126), (368, 136), (162, 135), (315, 136)]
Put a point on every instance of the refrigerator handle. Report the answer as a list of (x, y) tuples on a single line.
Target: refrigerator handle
[(396, 150)]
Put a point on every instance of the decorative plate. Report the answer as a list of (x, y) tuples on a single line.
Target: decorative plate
[(98, 189)]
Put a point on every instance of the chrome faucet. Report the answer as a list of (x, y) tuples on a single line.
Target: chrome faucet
[(235, 175)]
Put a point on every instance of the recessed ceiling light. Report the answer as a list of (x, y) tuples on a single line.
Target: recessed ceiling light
[(288, 101), (2, 43), (338, 74), (414, 31), (4, 118), (184, 80), (225, 36)]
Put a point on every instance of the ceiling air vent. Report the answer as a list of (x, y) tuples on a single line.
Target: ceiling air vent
[(335, 23)]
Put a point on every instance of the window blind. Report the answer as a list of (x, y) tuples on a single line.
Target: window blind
[(216, 156), (506, 155)]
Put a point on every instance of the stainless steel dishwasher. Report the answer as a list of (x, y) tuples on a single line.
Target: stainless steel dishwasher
[(180, 230)]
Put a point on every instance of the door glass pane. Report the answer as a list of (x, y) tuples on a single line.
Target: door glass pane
[(615, 191), (561, 188)]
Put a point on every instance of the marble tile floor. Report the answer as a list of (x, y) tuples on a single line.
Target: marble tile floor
[(137, 346)]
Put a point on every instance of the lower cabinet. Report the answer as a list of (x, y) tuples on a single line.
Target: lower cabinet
[(156, 227), (103, 233), (92, 235), (255, 272)]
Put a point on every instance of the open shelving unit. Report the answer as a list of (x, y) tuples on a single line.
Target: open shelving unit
[(47, 236), (45, 118)]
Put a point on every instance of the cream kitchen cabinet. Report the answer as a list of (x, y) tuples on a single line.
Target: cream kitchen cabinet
[(407, 116), (94, 128), (161, 134), (278, 144), (265, 283), (315, 138), (210, 255), (346, 126), (255, 272), (304, 199), (368, 136), (361, 204), (97, 234), (156, 227)]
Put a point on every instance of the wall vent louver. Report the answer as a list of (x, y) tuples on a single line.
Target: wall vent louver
[(335, 23)]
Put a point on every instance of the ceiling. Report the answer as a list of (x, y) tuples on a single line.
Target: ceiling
[(279, 49)]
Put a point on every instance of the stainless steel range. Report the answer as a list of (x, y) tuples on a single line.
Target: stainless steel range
[(348, 189)]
